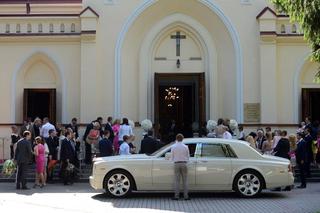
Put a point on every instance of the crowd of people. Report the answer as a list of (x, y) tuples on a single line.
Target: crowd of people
[(60, 146), (301, 148)]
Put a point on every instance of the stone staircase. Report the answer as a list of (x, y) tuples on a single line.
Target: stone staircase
[(83, 174), (315, 175)]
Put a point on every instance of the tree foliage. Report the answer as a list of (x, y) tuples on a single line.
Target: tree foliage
[(307, 13)]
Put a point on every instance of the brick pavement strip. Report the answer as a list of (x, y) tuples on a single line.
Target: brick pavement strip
[(81, 198)]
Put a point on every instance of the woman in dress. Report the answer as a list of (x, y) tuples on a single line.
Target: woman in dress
[(125, 129), (251, 141), (292, 153), (267, 144), (116, 129), (39, 152)]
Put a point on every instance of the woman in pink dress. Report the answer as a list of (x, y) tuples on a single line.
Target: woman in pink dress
[(39, 152), (116, 129)]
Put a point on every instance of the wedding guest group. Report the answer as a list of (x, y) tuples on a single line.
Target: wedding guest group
[(56, 148)]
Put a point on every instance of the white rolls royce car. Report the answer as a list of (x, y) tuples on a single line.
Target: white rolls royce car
[(214, 165)]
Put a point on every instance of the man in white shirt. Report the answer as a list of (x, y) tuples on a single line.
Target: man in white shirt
[(124, 147), (44, 131), (180, 156), (226, 133)]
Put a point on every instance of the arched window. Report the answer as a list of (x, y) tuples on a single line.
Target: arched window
[(62, 28), (29, 28), (73, 27), (18, 28), (51, 28), (283, 28), (40, 28), (7, 28), (294, 28)]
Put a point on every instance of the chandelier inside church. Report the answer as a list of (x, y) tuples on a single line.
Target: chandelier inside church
[(171, 95)]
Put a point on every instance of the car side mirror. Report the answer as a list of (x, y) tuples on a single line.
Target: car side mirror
[(167, 156)]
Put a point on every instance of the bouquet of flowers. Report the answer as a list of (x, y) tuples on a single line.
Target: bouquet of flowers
[(9, 168), (211, 125), (233, 125)]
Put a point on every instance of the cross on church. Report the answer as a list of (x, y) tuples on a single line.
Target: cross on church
[(178, 38)]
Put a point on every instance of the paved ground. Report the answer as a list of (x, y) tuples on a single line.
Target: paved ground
[(81, 198)]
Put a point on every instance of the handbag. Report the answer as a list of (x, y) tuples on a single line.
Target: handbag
[(93, 136)]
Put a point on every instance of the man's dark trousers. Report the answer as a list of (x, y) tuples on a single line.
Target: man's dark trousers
[(22, 175), (303, 170)]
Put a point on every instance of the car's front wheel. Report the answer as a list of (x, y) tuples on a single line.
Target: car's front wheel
[(118, 184), (248, 184)]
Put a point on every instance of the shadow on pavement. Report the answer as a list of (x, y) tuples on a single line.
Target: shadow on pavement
[(205, 195)]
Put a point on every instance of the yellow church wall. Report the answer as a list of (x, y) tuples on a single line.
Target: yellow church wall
[(13, 59)]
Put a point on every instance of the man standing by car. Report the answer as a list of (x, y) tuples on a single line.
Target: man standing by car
[(180, 156)]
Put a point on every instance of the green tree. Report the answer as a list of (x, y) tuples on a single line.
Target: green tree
[(307, 14)]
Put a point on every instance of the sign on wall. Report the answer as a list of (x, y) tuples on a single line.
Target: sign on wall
[(252, 112)]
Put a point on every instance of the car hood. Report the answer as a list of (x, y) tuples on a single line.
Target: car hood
[(123, 157), (274, 158)]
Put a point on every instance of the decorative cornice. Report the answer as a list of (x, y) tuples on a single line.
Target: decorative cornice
[(41, 1), (37, 34), (91, 32), (40, 15), (274, 33)]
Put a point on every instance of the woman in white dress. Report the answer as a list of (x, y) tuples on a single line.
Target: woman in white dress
[(125, 129)]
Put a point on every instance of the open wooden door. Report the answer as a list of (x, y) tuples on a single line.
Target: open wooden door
[(39, 103)]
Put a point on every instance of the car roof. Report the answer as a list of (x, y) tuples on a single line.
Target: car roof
[(214, 140)]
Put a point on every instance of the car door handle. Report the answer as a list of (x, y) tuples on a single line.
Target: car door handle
[(204, 161)]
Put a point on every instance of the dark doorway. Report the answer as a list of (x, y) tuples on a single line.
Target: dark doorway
[(179, 102), (39, 103), (311, 103)]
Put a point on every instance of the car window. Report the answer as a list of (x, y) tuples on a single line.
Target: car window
[(212, 150), (192, 149)]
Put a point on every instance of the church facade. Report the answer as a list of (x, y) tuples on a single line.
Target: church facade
[(187, 60)]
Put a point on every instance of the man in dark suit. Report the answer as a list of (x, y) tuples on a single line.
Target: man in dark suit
[(106, 145), (67, 156), (302, 159), (22, 157), (74, 126), (309, 141), (109, 127), (148, 144), (283, 147)]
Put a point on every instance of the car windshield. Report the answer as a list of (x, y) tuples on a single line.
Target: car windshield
[(161, 149)]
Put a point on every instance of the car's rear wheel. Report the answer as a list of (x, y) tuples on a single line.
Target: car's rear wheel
[(248, 184), (118, 184)]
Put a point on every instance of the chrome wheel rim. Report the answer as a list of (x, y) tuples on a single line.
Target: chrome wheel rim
[(118, 184), (249, 184)]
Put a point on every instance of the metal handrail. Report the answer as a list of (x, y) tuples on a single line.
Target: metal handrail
[(2, 158)]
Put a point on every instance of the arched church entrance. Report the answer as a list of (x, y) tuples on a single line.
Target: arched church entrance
[(38, 89)]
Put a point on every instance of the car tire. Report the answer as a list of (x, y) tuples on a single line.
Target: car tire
[(248, 183), (118, 184)]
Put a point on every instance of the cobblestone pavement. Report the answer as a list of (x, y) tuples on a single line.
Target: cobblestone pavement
[(81, 198)]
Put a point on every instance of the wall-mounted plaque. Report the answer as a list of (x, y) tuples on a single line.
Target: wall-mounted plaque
[(252, 112)]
